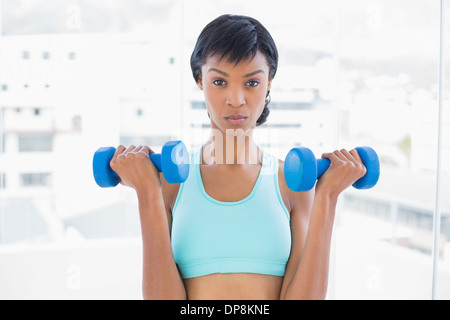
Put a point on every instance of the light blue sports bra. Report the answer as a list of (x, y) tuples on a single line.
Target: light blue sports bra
[(252, 235)]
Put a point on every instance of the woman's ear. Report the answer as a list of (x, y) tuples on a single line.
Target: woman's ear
[(200, 83)]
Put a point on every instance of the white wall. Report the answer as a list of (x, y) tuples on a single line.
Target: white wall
[(106, 269)]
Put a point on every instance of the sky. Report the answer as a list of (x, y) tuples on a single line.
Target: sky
[(357, 29)]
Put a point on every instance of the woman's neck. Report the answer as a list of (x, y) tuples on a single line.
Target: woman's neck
[(234, 147)]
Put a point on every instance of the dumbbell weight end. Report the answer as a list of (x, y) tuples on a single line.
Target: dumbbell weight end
[(173, 161), (372, 163), (104, 176), (300, 169)]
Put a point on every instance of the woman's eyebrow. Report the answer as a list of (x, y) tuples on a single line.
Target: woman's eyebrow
[(219, 71), (227, 75), (253, 73)]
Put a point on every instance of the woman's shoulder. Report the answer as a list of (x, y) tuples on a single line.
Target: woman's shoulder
[(291, 198)]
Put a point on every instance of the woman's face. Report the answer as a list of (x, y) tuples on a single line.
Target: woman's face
[(235, 94)]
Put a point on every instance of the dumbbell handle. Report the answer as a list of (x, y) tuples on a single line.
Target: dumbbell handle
[(322, 166), (156, 159)]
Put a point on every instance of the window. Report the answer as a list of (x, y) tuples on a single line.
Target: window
[(2, 180), (157, 141), (35, 179), (351, 72), (37, 142), (198, 105), (2, 143)]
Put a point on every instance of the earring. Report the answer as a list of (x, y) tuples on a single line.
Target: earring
[(268, 98)]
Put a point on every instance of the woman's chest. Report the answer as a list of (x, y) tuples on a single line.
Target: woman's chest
[(229, 183)]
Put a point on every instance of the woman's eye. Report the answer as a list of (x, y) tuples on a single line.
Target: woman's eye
[(219, 82), (253, 83)]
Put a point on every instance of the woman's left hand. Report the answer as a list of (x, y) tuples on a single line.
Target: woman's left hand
[(345, 168)]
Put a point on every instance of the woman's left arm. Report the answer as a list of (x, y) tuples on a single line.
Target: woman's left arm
[(312, 219)]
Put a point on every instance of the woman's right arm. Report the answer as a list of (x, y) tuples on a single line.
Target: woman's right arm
[(161, 279)]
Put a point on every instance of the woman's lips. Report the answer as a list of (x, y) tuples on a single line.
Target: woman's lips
[(236, 120)]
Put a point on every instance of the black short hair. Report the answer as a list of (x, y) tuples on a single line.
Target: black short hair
[(238, 38)]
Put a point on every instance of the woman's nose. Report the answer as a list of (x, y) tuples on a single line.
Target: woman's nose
[(236, 98)]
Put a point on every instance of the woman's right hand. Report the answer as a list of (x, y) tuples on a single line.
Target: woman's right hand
[(135, 169), (346, 167)]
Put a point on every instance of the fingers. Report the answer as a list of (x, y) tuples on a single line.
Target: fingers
[(336, 155), (351, 157), (122, 157), (331, 156), (121, 152), (355, 155), (146, 150), (343, 155), (118, 151), (359, 162), (345, 168)]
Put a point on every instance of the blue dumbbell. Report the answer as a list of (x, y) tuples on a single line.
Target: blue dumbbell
[(173, 162), (302, 169)]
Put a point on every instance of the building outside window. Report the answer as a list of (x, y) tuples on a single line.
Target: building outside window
[(351, 72)]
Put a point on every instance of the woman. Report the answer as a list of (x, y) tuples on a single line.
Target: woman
[(234, 230)]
